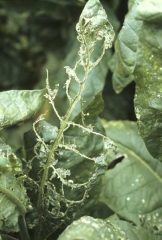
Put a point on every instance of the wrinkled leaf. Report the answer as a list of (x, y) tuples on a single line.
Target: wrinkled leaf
[(132, 185), (13, 202), (148, 96), (150, 11), (19, 105), (126, 49)]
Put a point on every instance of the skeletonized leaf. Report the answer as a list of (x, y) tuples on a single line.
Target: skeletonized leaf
[(132, 185), (94, 26), (19, 105), (98, 33), (95, 81), (85, 142), (13, 202), (126, 49)]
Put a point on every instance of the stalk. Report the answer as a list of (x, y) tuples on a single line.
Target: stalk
[(23, 228)]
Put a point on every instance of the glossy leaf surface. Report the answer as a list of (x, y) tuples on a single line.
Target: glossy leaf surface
[(87, 143), (132, 185)]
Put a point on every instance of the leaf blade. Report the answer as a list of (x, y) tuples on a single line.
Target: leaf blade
[(19, 105), (13, 202), (88, 228), (126, 49), (133, 187), (148, 95)]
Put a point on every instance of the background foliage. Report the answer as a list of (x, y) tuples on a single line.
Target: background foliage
[(39, 35)]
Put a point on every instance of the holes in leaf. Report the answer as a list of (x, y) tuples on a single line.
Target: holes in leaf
[(155, 228), (115, 162)]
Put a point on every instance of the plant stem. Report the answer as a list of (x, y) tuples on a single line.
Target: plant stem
[(23, 228), (56, 143), (7, 237), (8, 194)]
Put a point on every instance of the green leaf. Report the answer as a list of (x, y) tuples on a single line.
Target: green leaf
[(13, 202), (150, 11), (92, 110), (47, 131), (8, 160), (126, 49), (148, 96), (19, 105), (88, 228), (132, 185), (133, 232)]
